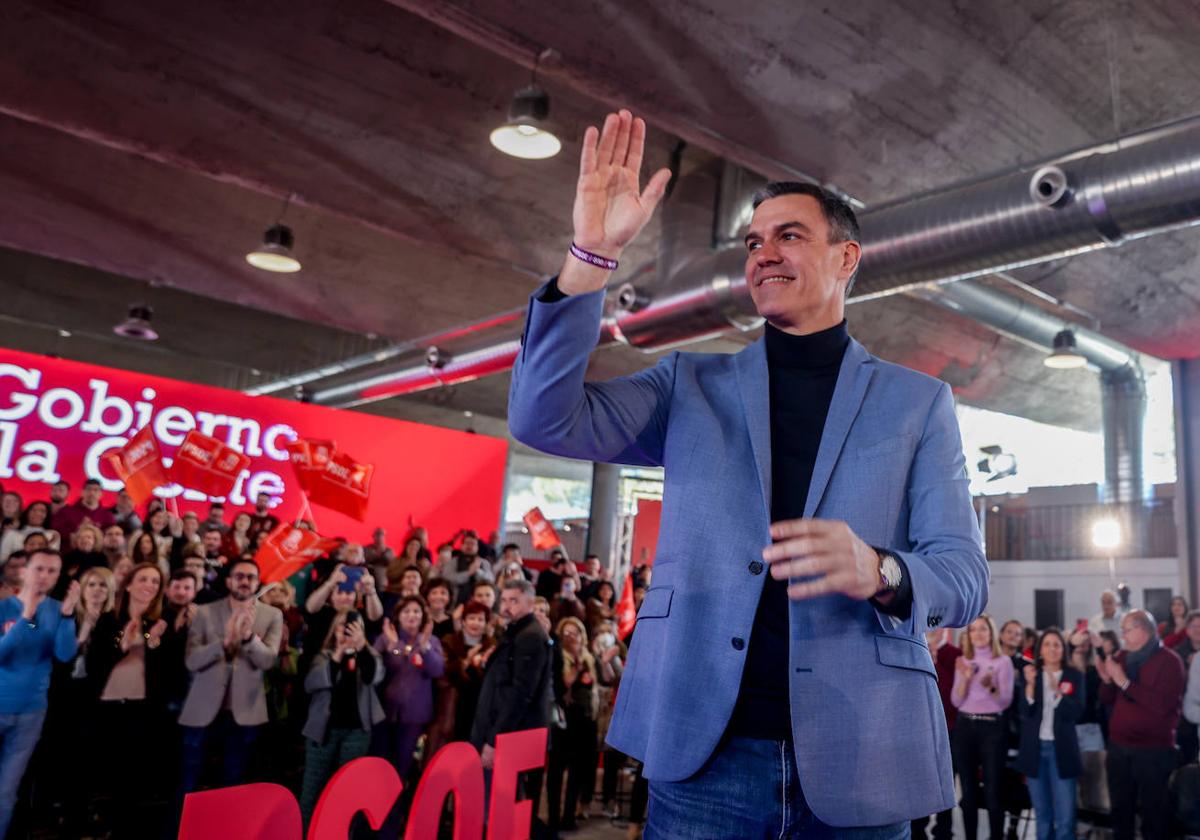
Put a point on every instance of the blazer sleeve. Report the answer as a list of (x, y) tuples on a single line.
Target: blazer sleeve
[(944, 557), (262, 652), (551, 408), (320, 674), (1071, 706), (204, 647)]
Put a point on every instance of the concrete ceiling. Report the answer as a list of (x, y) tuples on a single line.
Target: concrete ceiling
[(145, 146)]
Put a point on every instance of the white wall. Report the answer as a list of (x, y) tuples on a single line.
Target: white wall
[(1014, 581)]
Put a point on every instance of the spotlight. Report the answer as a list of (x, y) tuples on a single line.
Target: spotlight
[(275, 252), (1064, 356), (524, 136), (999, 463), (1106, 533), (137, 325)]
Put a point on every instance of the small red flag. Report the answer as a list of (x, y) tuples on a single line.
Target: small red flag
[(139, 465), (287, 550), (626, 611), (543, 533), (206, 464), (343, 485), (309, 457)]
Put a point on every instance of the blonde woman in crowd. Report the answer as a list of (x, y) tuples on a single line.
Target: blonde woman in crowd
[(982, 692)]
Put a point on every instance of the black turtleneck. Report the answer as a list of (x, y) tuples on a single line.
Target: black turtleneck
[(803, 372)]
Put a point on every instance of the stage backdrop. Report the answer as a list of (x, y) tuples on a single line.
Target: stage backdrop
[(59, 418)]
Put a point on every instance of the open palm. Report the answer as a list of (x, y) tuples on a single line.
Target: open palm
[(609, 209)]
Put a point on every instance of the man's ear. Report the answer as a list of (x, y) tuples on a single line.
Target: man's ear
[(851, 255)]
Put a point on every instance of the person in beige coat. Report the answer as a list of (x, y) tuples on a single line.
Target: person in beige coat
[(232, 643)]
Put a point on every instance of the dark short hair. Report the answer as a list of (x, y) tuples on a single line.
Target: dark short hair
[(510, 547), (242, 561), (439, 583), (411, 568), (51, 552), (181, 574), (1190, 617), (481, 583), (92, 482), (843, 224)]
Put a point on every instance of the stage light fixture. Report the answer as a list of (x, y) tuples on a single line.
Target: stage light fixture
[(137, 325), (998, 463), (1064, 356), (275, 252)]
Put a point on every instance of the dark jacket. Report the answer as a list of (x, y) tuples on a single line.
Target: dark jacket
[(104, 652), (516, 692), (1066, 715)]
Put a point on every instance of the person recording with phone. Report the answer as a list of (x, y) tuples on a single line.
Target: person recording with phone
[(343, 705), (1052, 703), (348, 587)]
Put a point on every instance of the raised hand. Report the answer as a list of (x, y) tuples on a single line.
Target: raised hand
[(609, 208), (156, 634), (389, 633), (131, 636), (71, 601)]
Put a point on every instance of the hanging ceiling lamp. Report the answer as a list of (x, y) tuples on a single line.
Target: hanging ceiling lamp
[(137, 325), (526, 134), (275, 252), (1064, 356)]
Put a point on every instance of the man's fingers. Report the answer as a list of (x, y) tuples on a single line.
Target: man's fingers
[(587, 155), (797, 547), (608, 139), (655, 189), (624, 130), (802, 527), (637, 145), (801, 568)]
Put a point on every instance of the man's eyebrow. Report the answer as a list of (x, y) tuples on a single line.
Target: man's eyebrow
[(779, 227)]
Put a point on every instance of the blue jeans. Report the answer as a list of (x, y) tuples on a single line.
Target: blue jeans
[(1053, 798), (748, 789), (18, 736)]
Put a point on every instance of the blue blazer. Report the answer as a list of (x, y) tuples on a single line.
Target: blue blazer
[(869, 731)]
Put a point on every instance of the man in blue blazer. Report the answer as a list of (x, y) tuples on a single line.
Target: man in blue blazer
[(803, 701)]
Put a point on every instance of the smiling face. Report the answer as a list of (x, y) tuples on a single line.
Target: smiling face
[(981, 634), (145, 585), (1052, 651), (410, 618), (474, 624), (796, 276)]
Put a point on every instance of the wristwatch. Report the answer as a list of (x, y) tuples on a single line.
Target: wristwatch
[(889, 571)]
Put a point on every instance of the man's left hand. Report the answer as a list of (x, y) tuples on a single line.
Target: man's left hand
[(1116, 672), (830, 550)]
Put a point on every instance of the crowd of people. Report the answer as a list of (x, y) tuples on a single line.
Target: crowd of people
[(1024, 709), (141, 659)]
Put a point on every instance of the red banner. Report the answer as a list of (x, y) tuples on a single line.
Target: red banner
[(60, 419), (344, 485), (287, 550), (204, 463), (541, 531), (139, 465)]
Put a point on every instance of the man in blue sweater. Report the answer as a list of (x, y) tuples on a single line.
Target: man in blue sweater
[(33, 628)]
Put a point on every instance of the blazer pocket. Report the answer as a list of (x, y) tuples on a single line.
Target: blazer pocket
[(887, 446), (899, 652), (657, 603)]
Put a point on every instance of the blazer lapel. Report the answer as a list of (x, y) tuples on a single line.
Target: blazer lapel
[(848, 395), (754, 384)]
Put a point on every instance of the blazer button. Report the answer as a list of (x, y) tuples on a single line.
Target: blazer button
[(756, 567), (738, 643)]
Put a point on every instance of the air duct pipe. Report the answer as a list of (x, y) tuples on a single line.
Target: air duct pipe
[(1122, 384), (1091, 198)]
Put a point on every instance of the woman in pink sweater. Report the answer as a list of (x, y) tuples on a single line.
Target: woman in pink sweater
[(983, 690)]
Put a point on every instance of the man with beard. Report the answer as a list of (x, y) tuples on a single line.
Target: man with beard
[(112, 544), (231, 645), (68, 519), (262, 520)]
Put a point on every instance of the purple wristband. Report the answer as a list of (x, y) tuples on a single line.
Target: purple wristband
[(593, 259)]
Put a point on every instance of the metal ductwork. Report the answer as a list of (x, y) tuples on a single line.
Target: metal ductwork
[(1122, 383), (1091, 198)]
